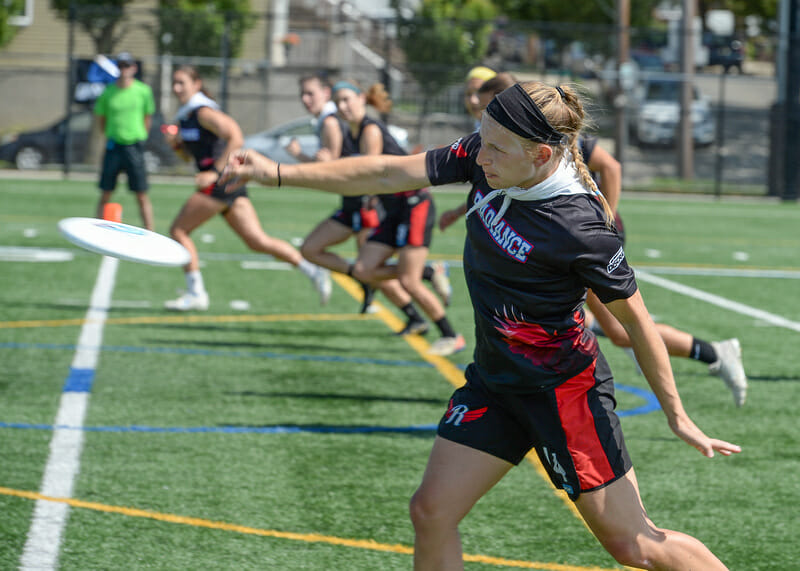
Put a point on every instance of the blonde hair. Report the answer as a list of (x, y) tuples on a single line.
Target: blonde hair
[(564, 111)]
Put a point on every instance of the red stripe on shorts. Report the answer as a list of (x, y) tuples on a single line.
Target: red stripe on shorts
[(417, 223), (591, 463)]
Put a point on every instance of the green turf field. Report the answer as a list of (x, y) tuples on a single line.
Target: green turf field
[(291, 436)]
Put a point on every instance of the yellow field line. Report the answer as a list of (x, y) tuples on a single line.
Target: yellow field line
[(307, 537), (190, 319)]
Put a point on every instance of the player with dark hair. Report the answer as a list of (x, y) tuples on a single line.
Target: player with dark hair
[(539, 233), (208, 136)]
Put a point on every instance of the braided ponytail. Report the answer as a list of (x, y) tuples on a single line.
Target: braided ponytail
[(564, 111)]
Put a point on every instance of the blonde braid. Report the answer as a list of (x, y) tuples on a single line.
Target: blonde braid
[(587, 180)]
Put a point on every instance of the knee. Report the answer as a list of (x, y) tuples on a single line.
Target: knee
[(362, 273), (629, 553), (310, 251), (410, 283), (425, 512)]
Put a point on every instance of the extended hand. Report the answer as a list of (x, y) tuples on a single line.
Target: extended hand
[(244, 165), (692, 435)]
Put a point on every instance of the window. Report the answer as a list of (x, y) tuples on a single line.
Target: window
[(25, 16)]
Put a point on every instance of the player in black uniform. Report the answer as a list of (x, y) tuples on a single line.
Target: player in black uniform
[(538, 235), (405, 228), (207, 135)]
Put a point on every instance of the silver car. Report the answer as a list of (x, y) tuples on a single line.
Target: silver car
[(657, 111), (272, 142)]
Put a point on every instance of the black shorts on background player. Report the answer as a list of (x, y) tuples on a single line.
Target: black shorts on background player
[(408, 221), (124, 158)]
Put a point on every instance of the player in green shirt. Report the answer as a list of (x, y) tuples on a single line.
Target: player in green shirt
[(124, 110)]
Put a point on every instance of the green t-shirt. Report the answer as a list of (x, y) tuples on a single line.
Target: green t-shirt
[(125, 110)]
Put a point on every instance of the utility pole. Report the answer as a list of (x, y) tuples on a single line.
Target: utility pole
[(791, 99), (623, 21), (685, 138)]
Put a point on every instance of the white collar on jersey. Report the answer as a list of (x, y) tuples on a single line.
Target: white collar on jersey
[(564, 180), (196, 101), (328, 109)]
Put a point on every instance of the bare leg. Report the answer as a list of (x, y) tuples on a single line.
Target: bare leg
[(455, 478), (315, 247), (145, 209), (197, 210), (617, 518), (679, 343), (242, 218), (410, 263)]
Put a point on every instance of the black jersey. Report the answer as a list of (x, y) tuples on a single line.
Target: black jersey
[(527, 277), (201, 143)]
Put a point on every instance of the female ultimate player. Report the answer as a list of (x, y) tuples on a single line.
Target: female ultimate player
[(405, 228), (538, 235), (209, 136)]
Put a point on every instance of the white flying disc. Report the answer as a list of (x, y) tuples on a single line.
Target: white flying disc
[(124, 241)]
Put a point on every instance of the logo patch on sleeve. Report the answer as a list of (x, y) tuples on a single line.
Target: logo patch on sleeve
[(615, 260)]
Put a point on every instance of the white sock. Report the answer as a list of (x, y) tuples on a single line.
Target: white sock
[(194, 283), (309, 269)]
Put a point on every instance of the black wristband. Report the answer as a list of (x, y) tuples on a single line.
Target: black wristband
[(279, 175)]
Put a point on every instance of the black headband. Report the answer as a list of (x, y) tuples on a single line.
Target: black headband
[(514, 109)]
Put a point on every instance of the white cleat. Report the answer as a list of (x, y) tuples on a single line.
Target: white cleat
[(323, 285), (729, 367), (188, 302), (445, 346)]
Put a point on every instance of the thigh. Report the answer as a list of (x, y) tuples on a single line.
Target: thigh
[(242, 217), (373, 255), (196, 211), (327, 233), (457, 476)]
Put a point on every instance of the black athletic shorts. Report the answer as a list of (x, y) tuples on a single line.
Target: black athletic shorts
[(573, 427), (218, 192), (408, 221), (357, 214), (124, 158)]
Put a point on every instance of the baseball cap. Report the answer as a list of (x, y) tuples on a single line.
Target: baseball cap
[(125, 58)]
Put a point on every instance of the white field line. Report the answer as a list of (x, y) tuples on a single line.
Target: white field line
[(43, 543), (719, 301)]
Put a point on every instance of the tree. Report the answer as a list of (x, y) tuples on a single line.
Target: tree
[(102, 20), (199, 27), (588, 11), (8, 9), (442, 40)]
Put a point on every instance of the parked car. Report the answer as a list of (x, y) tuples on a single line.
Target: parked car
[(728, 54), (31, 150), (272, 142), (656, 113)]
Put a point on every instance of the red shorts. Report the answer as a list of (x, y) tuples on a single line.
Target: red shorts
[(573, 427)]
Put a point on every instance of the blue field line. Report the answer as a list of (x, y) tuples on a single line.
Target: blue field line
[(287, 429), (213, 353), (651, 405)]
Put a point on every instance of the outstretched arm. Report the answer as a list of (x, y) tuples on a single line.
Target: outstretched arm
[(353, 176), (651, 354)]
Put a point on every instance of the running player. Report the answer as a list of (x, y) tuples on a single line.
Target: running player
[(208, 136), (539, 233), (405, 228)]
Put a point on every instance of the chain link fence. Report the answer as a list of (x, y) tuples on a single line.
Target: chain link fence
[(732, 108)]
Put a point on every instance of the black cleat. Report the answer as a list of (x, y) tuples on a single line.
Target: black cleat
[(414, 327), (369, 295)]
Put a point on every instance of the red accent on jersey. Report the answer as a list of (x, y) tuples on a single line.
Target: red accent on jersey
[(460, 151), (418, 218), (549, 349), (591, 463), (474, 414)]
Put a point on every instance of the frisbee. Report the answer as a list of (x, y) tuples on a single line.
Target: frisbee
[(124, 241)]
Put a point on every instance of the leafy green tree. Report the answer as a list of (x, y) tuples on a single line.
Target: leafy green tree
[(198, 27), (443, 39), (102, 20), (8, 9), (586, 11)]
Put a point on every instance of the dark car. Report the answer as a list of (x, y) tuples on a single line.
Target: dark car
[(729, 54), (33, 149)]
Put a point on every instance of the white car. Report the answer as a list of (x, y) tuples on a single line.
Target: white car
[(657, 109), (272, 142)]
